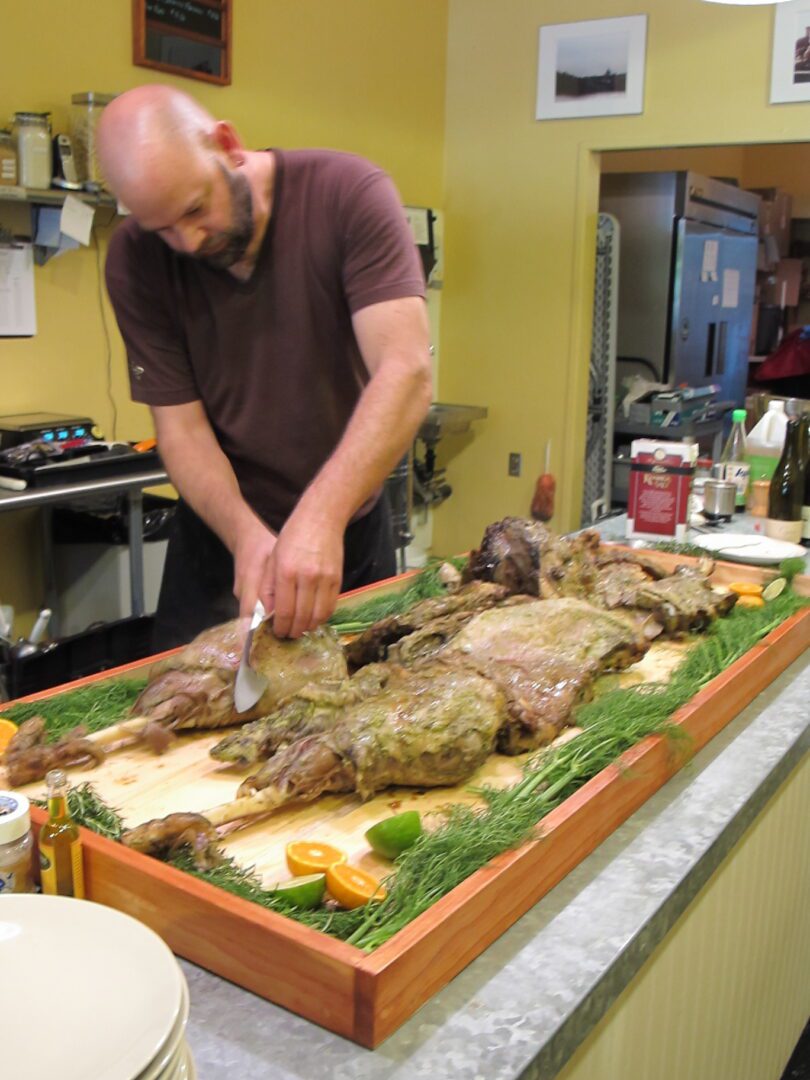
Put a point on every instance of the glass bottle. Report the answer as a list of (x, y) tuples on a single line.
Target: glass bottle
[(786, 495), (735, 464), (60, 848)]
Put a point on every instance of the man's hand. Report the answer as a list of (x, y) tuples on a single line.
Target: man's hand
[(252, 556), (306, 569)]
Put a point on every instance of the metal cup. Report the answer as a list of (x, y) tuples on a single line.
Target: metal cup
[(718, 499)]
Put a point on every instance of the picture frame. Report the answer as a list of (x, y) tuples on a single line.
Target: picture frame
[(591, 68), (790, 59), (191, 38)]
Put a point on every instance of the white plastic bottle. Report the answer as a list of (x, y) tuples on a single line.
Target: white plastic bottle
[(765, 442)]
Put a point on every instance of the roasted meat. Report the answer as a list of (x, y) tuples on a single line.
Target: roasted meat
[(162, 837), (194, 687), (426, 727), (545, 656), (460, 605), (29, 757), (526, 558)]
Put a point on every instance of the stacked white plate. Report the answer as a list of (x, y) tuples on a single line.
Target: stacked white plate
[(88, 992)]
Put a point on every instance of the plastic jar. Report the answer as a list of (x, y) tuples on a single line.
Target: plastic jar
[(34, 157), (16, 844), (8, 158), (85, 112)]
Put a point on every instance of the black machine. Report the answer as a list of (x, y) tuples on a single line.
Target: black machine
[(45, 427)]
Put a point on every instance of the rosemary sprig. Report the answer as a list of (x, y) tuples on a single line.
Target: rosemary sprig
[(96, 706), (87, 808)]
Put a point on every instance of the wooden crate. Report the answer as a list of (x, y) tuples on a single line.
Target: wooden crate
[(366, 997)]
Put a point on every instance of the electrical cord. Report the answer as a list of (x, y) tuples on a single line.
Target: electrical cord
[(110, 394)]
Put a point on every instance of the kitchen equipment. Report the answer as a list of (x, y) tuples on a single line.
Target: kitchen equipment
[(33, 132), (748, 548), (249, 685), (718, 499), (687, 271), (64, 164), (49, 427)]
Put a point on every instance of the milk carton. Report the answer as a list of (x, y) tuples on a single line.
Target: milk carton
[(661, 475)]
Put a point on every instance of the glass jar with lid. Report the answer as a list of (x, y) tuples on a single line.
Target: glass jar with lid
[(85, 112), (8, 158), (34, 156), (16, 843)]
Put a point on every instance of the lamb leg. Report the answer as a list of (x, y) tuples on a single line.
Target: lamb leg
[(298, 773)]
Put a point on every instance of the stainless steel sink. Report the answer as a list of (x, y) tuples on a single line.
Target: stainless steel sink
[(449, 420)]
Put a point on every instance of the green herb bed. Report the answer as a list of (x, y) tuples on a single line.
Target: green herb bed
[(464, 839)]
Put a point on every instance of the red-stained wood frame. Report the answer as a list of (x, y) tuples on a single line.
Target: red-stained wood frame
[(366, 997)]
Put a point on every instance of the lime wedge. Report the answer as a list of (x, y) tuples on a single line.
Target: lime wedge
[(391, 836), (776, 588), (305, 892)]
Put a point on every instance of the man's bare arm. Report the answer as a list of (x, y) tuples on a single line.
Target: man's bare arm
[(306, 567), (204, 477)]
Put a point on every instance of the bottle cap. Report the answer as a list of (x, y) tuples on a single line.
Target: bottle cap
[(776, 406), (15, 816), (739, 415)]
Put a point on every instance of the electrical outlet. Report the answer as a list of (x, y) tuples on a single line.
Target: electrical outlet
[(514, 464)]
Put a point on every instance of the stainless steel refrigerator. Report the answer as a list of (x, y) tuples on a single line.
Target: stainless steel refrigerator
[(687, 271)]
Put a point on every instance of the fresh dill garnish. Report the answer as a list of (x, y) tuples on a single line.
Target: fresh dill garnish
[(353, 619), (95, 706)]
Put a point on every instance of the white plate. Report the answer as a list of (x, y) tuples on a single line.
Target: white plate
[(747, 548), (169, 1055), (120, 982)]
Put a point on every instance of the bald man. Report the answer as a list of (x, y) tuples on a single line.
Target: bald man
[(272, 307)]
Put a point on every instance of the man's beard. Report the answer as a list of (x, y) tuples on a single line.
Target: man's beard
[(237, 239)]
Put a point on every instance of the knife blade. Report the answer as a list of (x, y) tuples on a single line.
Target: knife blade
[(249, 685)]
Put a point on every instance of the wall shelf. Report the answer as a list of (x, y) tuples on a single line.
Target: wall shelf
[(54, 196)]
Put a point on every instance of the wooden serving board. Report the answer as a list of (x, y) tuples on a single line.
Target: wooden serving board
[(366, 997)]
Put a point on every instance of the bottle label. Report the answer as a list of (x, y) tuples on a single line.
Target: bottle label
[(47, 869), (791, 531), (806, 522), (47, 866), (738, 472), (8, 881)]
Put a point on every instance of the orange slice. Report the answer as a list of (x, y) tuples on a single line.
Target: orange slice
[(352, 887), (304, 857), (746, 588), (747, 600), (7, 732)]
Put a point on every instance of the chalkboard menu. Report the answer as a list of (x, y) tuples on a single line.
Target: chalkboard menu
[(184, 37)]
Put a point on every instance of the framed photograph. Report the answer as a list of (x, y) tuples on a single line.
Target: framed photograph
[(592, 68), (790, 64)]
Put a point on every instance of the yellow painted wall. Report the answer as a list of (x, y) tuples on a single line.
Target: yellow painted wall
[(727, 992), (521, 203), (360, 75)]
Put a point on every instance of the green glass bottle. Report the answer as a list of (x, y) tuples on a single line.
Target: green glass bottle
[(786, 495)]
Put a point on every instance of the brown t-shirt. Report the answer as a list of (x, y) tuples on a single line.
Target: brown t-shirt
[(274, 360)]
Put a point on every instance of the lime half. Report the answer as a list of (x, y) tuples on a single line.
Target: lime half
[(776, 588), (305, 892), (391, 836)]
